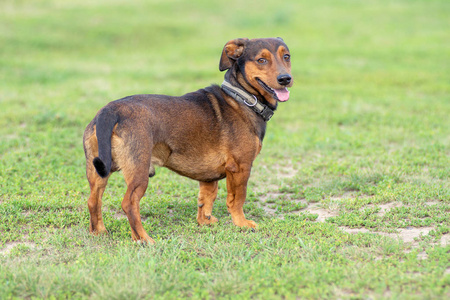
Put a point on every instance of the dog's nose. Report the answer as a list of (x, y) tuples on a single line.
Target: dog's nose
[(284, 79)]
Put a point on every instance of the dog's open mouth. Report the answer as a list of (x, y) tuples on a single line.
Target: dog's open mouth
[(279, 94)]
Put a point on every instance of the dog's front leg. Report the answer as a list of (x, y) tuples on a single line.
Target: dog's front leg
[(206, 198), (237, 178)]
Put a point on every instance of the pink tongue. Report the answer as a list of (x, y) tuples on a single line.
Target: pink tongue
[(283, 94)]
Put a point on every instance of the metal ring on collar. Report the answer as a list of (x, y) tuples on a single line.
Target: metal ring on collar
[(251, 104)]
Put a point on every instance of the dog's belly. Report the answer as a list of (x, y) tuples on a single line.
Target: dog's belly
[(193, 164), (200, 174)]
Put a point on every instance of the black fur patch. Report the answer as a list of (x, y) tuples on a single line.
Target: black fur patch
[(100, 167)]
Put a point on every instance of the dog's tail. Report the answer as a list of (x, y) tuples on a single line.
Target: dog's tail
[(106, 121)]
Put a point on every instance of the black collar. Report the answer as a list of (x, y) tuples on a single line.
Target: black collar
[(248, 99)]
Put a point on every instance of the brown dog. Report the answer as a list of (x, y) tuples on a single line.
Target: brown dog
[(206, 135)]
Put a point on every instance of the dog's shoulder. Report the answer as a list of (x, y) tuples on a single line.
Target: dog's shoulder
[(205, 95), (209, 100)]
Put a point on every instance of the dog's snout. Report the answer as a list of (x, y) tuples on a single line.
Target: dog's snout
[(284, 79)]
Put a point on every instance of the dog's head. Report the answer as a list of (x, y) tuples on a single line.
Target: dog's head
[(260, 66)]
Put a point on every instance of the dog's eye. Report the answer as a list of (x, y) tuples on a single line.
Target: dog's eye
[(262, 61), (287, 57)]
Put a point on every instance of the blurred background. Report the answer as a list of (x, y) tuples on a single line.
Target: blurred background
[(370, 76)]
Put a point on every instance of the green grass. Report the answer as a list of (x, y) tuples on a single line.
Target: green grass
[(365, 137)]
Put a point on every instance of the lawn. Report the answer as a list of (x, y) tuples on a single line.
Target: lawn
[(351, 190)]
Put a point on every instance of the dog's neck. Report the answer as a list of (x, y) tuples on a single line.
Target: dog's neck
[(242, 96)]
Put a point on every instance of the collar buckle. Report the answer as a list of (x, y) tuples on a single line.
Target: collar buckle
[(266, 113), (245, 97)]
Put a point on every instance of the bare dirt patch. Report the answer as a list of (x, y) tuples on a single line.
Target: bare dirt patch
[(119, 215), (354, 230), (331, 209), (116, 213), (285, 171), (408, 235), (274, 195), (445, 239), (384, 208), (323, 213), (422, 255), (429, 203), (268, 210), (270, 198), (11, 245)]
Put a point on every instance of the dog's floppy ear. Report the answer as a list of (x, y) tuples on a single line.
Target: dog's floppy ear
[(231, 52)]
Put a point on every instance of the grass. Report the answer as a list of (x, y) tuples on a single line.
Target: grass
[(365, 138)]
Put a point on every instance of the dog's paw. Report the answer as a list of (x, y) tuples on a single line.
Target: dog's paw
[(251, 224), (143, 241), (246, 223), (206, 220), (100, 230)]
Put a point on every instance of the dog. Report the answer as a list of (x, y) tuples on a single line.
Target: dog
[(207, 135)]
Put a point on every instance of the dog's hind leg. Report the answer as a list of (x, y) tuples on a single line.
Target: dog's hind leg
[(136, 177), (97, 185), (206, 198)]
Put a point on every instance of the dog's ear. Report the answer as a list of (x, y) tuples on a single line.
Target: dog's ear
[(231, 52)]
